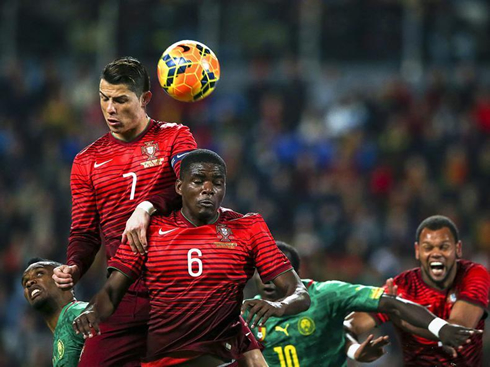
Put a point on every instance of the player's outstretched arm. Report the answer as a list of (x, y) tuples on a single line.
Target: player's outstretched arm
[(449, 334), (296, 300), (102, 305)]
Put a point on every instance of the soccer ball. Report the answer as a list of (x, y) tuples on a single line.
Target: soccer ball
[(188, 71)]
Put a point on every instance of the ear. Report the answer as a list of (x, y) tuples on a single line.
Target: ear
[(459, 250), (417, 253), (178, 186), (145, 98)]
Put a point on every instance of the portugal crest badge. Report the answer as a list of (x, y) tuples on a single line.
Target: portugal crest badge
[(150, 149)]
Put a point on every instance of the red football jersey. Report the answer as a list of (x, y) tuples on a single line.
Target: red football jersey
[(196, 276), (472, 284), (110, 177)]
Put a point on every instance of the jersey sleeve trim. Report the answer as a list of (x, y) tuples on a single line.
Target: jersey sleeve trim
[(472, 301), (124, 270), (283, 268)]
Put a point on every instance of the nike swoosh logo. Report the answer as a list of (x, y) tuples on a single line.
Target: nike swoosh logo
[(161, 233), (101, 164), (178, 156)]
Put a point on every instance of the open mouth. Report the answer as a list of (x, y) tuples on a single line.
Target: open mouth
[(35, 292), (437, 268), (269, 289)]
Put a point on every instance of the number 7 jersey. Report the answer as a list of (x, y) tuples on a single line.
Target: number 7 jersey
[(110, 178)]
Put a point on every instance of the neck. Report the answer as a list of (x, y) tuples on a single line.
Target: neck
[(51, 316), (444, 284), (197, 222), (134, 133)]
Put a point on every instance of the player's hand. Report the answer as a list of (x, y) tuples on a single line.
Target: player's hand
[(135, 232), (371, 350), (66, 276), (391, 288), (450, 351), (455, 335), (260, 310), (85, 322)]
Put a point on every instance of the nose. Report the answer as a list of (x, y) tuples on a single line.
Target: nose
[(30, 282), (208, 188), (111, 109)]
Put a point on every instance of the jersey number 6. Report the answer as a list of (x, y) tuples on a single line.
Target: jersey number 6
[(191, 260)]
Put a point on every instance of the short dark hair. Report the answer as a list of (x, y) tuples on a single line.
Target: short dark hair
[(201, 156), (291, 253), (436, 222), (128, 71)]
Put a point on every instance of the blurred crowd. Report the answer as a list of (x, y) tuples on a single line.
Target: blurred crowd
[(343, 166), (343, 171)]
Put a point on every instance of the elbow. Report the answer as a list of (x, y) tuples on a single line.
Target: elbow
[(305, 300)]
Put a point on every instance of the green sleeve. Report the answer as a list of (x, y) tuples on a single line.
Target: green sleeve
[(344, 297)]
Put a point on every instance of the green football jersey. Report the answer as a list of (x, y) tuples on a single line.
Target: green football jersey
[(316, 337), (67, 345)]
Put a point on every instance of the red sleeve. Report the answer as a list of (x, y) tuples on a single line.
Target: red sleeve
[(475, 286), (167, 201), (127, 262), (269, 260), (84, 239), (184, 142)]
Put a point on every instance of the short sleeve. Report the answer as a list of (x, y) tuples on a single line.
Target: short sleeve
[(269, 260), (348, 297), (475, 286), (127, 262)]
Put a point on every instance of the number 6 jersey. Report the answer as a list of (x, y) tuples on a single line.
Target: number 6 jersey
[(196, 276)]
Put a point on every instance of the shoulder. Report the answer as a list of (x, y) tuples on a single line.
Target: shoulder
[(169, 127), (407, 277), (231, 217), (88, 153), (471, 269), (75, 309)]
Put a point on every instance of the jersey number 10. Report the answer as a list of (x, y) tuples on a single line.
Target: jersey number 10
[(287, 356)]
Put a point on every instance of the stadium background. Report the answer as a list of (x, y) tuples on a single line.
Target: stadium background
[(343, 122)]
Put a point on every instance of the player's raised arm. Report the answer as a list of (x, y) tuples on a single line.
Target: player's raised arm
[(102, 305), (296, 299), (449, 334)]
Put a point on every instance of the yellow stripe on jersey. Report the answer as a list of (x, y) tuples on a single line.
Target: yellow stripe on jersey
[(376, 293)]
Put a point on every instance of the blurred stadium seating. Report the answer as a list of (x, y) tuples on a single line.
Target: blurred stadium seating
[(344, 123)]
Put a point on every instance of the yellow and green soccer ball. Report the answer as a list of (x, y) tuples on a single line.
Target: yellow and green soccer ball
[(188, 71)]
